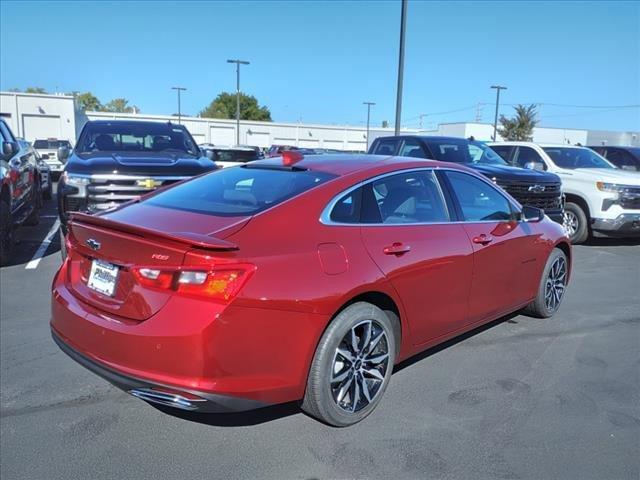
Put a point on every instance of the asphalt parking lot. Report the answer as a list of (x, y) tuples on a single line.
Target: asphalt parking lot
[(521, 398)]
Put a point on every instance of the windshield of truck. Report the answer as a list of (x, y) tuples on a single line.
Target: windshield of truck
[(463, 151), (136, 137), (50, 144), (567, 157)]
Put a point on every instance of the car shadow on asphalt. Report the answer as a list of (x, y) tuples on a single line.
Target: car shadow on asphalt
[(274, 412), (612, 242)]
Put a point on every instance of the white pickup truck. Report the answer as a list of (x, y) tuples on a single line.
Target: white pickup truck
[(601, 200)]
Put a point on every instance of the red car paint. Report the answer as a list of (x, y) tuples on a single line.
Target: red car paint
[(444, 279)]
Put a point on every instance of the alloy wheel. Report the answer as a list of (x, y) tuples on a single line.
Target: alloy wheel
[(571, 223), (360, 365), (555, 284)]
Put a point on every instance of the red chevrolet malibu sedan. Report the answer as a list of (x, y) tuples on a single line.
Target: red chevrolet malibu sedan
[(298, 278)]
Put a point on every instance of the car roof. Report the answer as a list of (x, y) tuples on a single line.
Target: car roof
[(533, 144), (343, 164), (231, 147), (132, 122)]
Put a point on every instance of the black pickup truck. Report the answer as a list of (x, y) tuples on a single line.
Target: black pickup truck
[(117, 161), (529, 187)]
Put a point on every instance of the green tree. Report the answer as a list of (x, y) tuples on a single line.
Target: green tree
[(519, 128), (120, 105), (87, 101), (35, 90), (224, 106), (385, 124)]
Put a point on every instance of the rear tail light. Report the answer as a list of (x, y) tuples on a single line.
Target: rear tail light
[(221, 283)]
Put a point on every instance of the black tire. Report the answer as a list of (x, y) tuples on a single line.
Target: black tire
[(36, 202), (48, 193), (540, 307), (6, 232), (322, 396), (580, 231)]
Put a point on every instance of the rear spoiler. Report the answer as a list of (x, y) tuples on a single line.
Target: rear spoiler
[(185, 238)]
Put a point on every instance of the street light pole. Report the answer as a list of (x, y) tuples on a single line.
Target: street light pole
[(495, 120), (368, 104), (238, 63), (179, 89), (403, 22)]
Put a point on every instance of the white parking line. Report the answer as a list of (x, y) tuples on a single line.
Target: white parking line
[(33, 263)]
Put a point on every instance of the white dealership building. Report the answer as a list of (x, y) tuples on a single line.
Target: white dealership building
[(35, 116)]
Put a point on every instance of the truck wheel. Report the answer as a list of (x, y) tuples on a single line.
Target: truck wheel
[(352, 366), (6, 232), (576, 223), (552, 286)]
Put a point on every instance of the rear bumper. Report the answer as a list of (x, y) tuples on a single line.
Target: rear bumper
[(157, 393), (235, 357), (626, 224)]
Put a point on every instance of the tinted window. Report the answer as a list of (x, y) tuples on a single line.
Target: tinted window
[(347, 209), (51, 144), (6, 133), (463, 151), (413, 197), (135, 137), (526, 155), (478, 200), (386, 146), (235, 155), (412, 148), (622, 159), (503, 150), (566, 157), (238, 191)]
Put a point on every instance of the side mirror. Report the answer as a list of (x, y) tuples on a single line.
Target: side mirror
[(44, 156), (63, 154), (9, 149), (532, 214), (534, 166)]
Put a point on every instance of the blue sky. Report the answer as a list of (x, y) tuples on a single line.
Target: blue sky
[(318, 61)]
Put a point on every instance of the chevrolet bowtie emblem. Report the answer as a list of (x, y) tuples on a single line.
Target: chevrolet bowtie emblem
[(536, 188), (148, 183)]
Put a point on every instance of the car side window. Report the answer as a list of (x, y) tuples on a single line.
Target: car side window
[(412, 197), (386, 146), (412, 148), (503, 150), (526, 155), (347, 209), (621, 159), (478, 200)]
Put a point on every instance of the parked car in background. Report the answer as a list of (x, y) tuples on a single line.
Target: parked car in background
[(229, 156), (276, 150), (529, 187), (298, 278), (627, 158), (44, 183), (48, 149), (117, 161), (600, 198), (19, 194)]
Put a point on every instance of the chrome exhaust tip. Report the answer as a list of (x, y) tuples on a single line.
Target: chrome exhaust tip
[(167, 398)]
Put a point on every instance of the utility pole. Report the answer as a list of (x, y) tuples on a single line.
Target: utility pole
[(495, 120), (422, 115), (479, 112), (403, 22), (179, 89), (368, 104), (238, 63)]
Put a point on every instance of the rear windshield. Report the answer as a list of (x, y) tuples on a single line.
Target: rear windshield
[(136, 137), (238, 191), (51, 144), (235, 155)]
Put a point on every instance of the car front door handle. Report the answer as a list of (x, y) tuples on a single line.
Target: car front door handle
[(396, 249), (483, 239)]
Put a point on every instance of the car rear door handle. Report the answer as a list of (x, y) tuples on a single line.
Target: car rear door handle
[(396, 249), (483, 239)]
